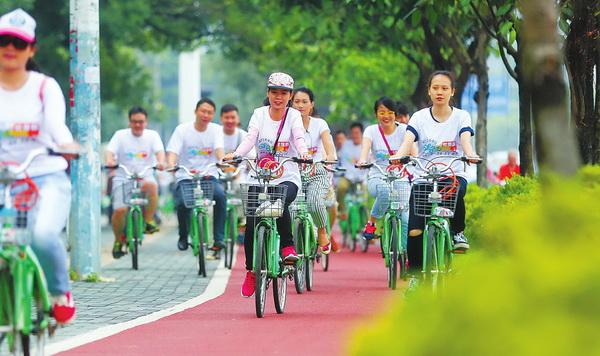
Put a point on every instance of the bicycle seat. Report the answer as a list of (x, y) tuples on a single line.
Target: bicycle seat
[(443, 212)]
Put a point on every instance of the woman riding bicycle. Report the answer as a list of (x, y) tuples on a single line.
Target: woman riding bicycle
[(379, 140), (277, 132), (440, 130), (320, 146), (32, 115)]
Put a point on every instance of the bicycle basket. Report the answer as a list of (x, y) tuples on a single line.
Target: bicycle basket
[(263, 201), (300, 202), (25, 194), (397, 197), (133, 196), (445, 197), (195, 195)]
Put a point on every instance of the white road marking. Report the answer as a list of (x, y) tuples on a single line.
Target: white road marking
[(215, 288)]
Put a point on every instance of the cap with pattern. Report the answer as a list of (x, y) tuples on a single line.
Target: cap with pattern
[(280, 80), (19, 24)]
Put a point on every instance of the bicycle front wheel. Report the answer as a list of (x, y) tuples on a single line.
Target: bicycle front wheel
[(137, 222), (232, 234), (260, 271), (201, 239), (325, 262), (300, 270), (430, 257), (393, 253)]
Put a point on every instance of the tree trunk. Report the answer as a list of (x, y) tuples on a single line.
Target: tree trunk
[(419, 98), (542, 64), (481, 69), (526, 155), (581, 55)]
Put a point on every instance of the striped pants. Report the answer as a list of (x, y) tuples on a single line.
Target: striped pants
[(316, 188)]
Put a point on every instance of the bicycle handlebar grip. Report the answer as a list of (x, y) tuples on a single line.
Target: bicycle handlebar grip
[(340, 169), (466, 159), (235, 160), (402, 160), (172, 169), (300, 160), (110, 167), (329, 162), (363, 166)]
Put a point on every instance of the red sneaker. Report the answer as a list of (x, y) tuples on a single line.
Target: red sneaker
[(248, 285), (289, 255), (369, 232), (334, 245), (63, 308)]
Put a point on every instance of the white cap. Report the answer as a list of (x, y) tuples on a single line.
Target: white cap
[(19, 24), (280, 81)]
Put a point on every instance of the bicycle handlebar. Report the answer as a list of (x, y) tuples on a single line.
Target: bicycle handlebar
[(433, 170), (401, 172), (33, 154), (128, 173), (192, 172), (253, 164)]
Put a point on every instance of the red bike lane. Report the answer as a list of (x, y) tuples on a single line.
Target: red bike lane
[(319, 321)]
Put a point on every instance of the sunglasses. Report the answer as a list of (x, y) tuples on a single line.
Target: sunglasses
[(16, 42)]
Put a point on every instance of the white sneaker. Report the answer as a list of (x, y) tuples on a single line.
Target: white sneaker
[(460, 241)]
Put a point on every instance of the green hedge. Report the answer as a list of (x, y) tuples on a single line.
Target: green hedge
[(531, 285)]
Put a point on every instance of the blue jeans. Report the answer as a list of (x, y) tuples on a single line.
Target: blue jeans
[(46, 220), (220, 211)]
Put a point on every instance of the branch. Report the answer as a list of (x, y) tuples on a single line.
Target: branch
[(486, 26), (501, 40), (509, 68)]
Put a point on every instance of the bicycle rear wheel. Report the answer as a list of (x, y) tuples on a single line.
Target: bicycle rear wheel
[(300, 270), (430, 256), (393, 254), (201, 239), (260, 272), (136, 222), (280, 293)]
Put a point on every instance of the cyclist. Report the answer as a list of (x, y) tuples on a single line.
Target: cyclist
[(196, 145), (32, 114), (276, 131), (348, 156), (402, 114), (379, 139), (320, 146), (439, 130), (135, 148)]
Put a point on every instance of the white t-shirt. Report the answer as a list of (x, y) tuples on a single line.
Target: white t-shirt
[(436, 138), (196, 150), (312, 136), (348, 156), (26, 123), (267, 132), (379, 150), (134, 152)]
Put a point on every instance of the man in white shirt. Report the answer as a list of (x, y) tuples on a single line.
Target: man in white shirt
[(196, 145), (135, 148), (348, 156)]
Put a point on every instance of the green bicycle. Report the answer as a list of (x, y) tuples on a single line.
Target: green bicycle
[(25, 310), (434, 197), (198, 196), (396, 194), (356, 217), (231, 220), (134, 197), (265, 202)]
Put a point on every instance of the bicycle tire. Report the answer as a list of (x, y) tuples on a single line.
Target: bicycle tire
[(310, 264), (429, 255), (260, 272), (230, 243), (299, 271), (403, 261), (135, 221), (364, 243), (201, 239), (280, 293), (393, 254)]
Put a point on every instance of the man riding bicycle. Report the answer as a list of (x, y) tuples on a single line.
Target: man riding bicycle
[(196, 145), (348, 156), (135, 148)]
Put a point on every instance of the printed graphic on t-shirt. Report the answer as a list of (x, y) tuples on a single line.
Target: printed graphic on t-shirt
[(196, 152), (282, 148), (446, 148), (137, 155), (381, 155), (20, 131), (313, 150)]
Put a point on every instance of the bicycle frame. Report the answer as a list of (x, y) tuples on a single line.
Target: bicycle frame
[(135, 208), (272, 245)]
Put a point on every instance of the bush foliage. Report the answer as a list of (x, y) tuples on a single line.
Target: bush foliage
[(530, 287)]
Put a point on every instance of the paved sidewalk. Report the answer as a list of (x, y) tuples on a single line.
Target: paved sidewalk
[(166, 277)]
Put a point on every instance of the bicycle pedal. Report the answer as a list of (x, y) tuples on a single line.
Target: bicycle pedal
[(459, 252)]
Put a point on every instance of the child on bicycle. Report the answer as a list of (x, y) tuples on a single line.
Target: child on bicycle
[(32, 115), (440, 130), (320, 146), (379, 140), (276, 131)]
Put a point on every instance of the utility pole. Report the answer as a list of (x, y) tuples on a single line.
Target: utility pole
[(84, 102), (189, 84)]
